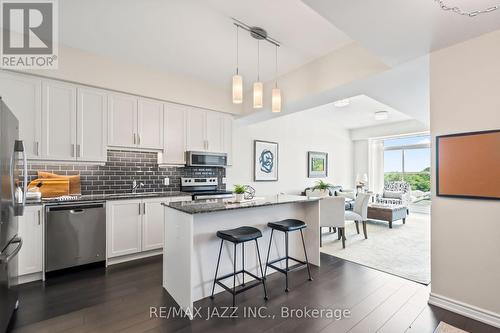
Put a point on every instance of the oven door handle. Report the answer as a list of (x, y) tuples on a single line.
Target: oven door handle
[(7, 258)]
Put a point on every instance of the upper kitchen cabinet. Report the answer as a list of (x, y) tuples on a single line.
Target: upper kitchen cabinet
[(227, 137), (196, 130), (23, 94), (208, 131), (122, 120), (135, 122), (92, 120), (150, 124), (214, 132), (58, 121), (175, 134)]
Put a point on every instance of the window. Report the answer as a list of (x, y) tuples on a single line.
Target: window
[(408, 159)]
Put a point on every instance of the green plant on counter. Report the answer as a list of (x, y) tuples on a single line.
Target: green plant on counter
[(239, 189), (321, 185)]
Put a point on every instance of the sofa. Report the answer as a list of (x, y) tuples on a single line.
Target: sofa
[(335, 190)]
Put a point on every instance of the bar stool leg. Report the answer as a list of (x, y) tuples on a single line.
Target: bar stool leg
[(234, 276), (268, 252), (261, 272), (286, 251), (305, 253), (243, 262), (217, 269)]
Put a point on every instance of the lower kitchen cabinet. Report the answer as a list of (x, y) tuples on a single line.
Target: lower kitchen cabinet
[(135, 226), (30, 229), (123, 227)]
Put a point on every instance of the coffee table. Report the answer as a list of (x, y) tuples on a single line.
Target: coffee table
[(389, 213)]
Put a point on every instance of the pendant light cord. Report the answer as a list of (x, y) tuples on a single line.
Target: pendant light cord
[(258, 61), (237, 51), (276, 69)]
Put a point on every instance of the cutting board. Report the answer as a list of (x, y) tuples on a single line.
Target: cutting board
[(52, 187), (74, 181)]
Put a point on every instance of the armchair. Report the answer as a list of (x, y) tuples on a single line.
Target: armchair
[(395, 193)]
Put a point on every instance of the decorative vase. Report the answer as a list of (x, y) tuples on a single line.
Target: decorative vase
[(239, 197)]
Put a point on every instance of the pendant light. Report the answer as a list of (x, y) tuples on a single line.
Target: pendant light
[(276, 92), (258, 86), (237, 79)]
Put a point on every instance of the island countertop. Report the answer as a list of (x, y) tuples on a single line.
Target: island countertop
[(217, 205)]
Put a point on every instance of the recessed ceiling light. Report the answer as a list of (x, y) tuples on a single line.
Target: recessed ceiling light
[(341, 103), (381, 115)]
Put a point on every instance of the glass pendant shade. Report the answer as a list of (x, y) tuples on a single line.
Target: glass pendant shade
[(237, 89), (258, 95), (276, 100)]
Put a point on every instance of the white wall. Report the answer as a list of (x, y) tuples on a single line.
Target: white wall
[(88, 68), (465, 233), (296, 134)]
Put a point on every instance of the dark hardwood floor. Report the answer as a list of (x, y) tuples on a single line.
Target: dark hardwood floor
[(119, 299)]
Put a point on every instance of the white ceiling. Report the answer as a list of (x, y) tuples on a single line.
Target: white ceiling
[(361, 113), (197, 38), (401, 30)]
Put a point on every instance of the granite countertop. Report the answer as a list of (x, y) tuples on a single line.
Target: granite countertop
[(107, 197), (217, 205)]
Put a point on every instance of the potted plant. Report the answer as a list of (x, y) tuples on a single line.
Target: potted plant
[(322, 187), (239, 192)]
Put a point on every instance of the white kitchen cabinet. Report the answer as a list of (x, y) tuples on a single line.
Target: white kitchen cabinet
[(122, 120), (123, 227), (23, 95), (152, 224), (227, 138), (214, 132), (92, 128), (30, 229), (196, 130), (150, 124), (58, 121), (153, 220), (175, 134)]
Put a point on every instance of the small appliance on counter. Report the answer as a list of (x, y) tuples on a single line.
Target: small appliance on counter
[(204, 188)]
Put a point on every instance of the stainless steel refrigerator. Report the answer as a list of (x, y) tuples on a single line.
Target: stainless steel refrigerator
[(12, 201)]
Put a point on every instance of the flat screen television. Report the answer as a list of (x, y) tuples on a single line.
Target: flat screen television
[(468, 165)]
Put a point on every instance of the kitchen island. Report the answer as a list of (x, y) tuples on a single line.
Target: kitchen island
[(191, 245)]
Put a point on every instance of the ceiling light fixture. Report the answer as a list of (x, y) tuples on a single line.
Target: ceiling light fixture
[(381, 115), (459, 11), (276, 92), (237, 79), (342, 103), (258, 87)]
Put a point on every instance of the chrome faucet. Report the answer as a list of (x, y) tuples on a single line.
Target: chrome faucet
[(135, 185)]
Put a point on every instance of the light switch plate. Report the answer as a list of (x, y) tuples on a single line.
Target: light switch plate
[(166, 181), (224, 180)]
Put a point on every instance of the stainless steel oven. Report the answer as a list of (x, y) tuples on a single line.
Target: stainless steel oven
[(205, 159)]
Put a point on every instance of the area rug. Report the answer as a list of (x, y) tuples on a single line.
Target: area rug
[(403, 250), (447, 328)]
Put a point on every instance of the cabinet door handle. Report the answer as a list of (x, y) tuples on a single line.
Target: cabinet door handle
[(144, 208), (78, 150), (138, 139), (39, 218), (73, 150), (135, 140), (37, 148)]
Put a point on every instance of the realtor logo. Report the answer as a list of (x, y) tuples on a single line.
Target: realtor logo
[(29, 34)]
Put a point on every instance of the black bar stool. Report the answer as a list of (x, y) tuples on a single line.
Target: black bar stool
[(239, 236), (287, 226)]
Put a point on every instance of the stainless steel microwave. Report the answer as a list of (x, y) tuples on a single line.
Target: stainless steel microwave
[(205, 159)]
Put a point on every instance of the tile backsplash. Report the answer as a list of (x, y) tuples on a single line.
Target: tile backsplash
[(122, 167)]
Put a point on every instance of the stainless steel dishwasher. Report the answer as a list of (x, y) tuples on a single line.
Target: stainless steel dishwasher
[(75, 234)]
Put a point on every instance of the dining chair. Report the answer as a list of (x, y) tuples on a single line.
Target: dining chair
[(331, 215)]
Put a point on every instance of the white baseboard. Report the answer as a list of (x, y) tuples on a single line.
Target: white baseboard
[(135, 256), (30, 277), (465, 309)]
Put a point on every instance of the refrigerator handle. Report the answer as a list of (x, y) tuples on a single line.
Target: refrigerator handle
[(9, 257), (25, 175)]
